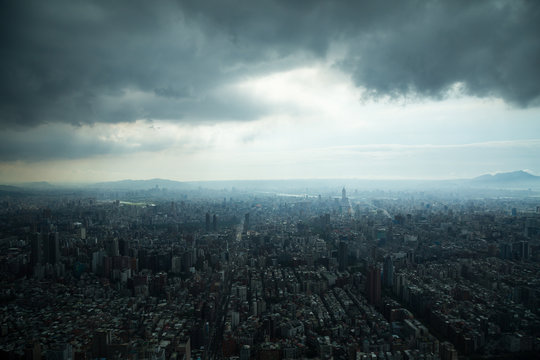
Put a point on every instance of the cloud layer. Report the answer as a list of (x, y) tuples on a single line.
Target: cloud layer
[(267, 85), (87, 62)]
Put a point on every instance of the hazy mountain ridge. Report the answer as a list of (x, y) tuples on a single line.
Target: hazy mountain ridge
[(10, 188), (515, 179), (513, 176), (509, 180), (37, 185)]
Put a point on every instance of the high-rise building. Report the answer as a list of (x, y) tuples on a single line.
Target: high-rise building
[(62, 351), (343, 194), (123, 247), (97, 261), (32, 350), (343, 254), (523, 250), (176, 264), (373, 285), (53, 253), (36, 256), (184, 348), (388, 272), (207, 222), (100, 341), (245, 352), (112, 247), (246, 222), (505, 250), (214, 223)]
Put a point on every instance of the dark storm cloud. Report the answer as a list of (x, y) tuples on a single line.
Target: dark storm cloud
[(492, 48), (86, 62), (112, 61), (404, 48)]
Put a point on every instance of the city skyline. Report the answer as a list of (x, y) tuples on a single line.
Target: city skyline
[(221, 274), (231, 90)]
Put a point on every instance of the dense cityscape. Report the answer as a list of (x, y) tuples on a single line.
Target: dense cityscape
[(232, 274)]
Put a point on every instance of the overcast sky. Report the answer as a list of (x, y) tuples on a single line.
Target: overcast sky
[(211, 90)]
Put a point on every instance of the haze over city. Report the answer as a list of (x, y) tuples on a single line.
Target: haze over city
[(100, 91)]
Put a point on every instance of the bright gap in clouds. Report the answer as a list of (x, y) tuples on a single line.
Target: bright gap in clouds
[(320, 127)]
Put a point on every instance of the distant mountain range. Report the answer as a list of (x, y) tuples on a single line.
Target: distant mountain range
[(509, 180), (37, 185), (9, 188), (507, 177), (516, 180)]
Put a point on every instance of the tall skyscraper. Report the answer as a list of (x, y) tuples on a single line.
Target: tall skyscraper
[(505, 250), (36, 256), (207, 222), (373, 285), (100, 341), (246, 222), (112, 247), (388, 272), (123, 247), (345, 206), (32, 350), (343, 254), (53, 248), (214, 223), (523, 250)]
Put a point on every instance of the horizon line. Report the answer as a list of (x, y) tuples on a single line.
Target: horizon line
[(79, 183)]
